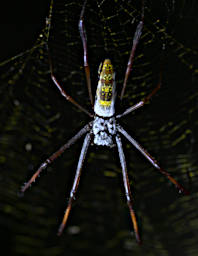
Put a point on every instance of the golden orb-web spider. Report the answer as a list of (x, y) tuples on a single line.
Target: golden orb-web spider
[(104, 130)]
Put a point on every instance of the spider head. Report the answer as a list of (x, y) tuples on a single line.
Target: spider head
[(105, 94)]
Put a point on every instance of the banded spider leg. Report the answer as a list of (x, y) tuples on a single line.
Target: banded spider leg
[(53, 157), (126, 179), (86, 67), (151, 159), (63, 92), (85, 52), (136, 39), (76, 181), (127, 187)]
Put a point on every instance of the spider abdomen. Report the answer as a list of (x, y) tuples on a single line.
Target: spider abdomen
[(103, 130)]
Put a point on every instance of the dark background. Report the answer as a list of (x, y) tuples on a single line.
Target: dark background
[(36, 121)]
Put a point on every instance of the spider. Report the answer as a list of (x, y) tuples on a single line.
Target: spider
[(104, 130)]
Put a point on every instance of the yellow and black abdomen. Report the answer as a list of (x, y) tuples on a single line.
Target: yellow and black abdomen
[(105, 94), (106, 80)]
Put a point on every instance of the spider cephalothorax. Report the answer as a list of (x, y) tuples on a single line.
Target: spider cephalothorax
[(104, 128)]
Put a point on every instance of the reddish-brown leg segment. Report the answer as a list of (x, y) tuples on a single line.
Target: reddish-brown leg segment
[(76, 181), (152, 160), (142, 102), (63, 92), (55, 155), (136, 38), (127, 188), (85, 52)]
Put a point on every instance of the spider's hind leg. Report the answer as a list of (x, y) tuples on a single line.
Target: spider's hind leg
[(83, 36), (76, 181), (63, 92), (142, 102), (136, 39)]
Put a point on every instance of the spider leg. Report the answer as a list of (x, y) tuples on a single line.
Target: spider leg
[(127, 187), (136, 38), (142, 102), (152, 160), (84, 42), (49, 160), (76, 181), (63, 92)]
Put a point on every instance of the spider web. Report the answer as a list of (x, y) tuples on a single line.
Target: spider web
[(36, 120)]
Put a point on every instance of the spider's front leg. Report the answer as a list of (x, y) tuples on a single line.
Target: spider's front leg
[(53, 157), (76, 181), (127, 187), (152, 160)]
